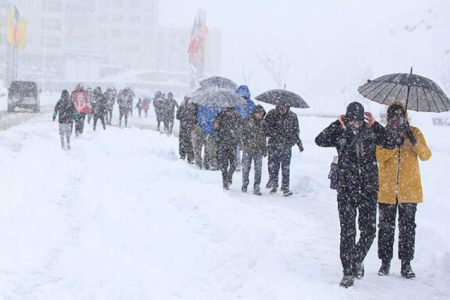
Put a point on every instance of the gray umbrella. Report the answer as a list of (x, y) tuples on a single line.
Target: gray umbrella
[(217, 98), (217, 82), (413, 91), (282, 97)]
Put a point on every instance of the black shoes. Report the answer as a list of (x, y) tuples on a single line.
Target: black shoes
[(347, 281), (244, 189), (385, 267), (407, 271)]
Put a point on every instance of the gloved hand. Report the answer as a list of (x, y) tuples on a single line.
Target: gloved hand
[(75, 116), (54, 116), (300, 147), (410, 136)]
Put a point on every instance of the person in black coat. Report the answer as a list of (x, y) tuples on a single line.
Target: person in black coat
[(227, 125), (283, 132), (100, 108), (355, 136), (187, 115), (65, 110)]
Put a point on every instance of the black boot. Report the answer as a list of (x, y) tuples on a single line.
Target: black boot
[(385, 267), (347, 281), (406, 270)]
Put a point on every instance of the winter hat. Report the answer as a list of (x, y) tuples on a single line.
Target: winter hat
[(259, 109), (355, 112)]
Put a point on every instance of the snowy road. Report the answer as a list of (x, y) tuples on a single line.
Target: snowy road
[(120, 217)]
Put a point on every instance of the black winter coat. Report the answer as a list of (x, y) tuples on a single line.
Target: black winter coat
[(64, 108), (228, 126), (357, 166), (282, 130), (187, 115)]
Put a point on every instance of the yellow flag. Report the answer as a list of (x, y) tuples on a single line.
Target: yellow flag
[(11, 28), (21, 33)]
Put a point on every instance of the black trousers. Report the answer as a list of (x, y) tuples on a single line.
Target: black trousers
[(101, 118), (227, 163), (363, 204), (406, 226), (185, 144)]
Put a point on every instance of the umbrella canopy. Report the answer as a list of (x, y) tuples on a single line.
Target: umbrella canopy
[(217, 82), (218, 97), (413, 91), (282, 97)]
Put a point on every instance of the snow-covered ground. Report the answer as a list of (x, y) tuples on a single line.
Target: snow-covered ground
[(121, 217)]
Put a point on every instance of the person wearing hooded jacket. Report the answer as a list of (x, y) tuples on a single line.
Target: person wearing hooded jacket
[(244, 111), (282, 129), (400, 190), (355, 136), (254, 144), (65, 110)]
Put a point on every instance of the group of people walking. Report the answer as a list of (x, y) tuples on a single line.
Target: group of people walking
[(376, 166), (72, 109), (213, 138)]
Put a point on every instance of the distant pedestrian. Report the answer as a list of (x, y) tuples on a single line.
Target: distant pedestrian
[(100, 107), (139, 107), (186, 114), (65, 110), (169, 113)]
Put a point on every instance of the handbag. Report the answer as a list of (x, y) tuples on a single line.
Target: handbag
[(334, 173)]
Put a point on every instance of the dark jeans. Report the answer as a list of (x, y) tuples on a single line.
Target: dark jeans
[(280, 158), (247, 165), (123, 113), (101, 118), (227, 163), (109, 116), (352, 252), (406, 226)]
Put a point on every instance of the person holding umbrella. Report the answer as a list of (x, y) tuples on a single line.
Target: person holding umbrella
[(283, 132), (355, 136), (400, 190)]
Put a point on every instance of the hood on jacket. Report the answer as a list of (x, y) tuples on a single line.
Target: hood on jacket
[(396, 109), (244, 92)]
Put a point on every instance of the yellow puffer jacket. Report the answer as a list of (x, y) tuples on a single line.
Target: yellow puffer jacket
[(409, 187)]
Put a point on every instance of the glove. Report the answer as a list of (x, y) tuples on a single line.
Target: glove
[(75, 116), (300, 147), (410, 136), (54, 116)]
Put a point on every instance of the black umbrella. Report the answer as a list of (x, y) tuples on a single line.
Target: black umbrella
[(282, 97), (217, 82), (413, 91), (220, 98)]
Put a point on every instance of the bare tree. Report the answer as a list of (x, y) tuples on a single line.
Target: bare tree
[(277, 66)]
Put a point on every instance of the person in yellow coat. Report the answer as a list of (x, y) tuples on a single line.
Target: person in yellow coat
[(400, 189)]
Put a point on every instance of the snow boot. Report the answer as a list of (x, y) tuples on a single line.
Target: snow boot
[(256, 191), (287, 193), (406, 270), (347, 281), (273, 190), (385, 267), (359, 270), (244, 189)]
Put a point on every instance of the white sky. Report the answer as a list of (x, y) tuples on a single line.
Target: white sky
[(337, 43)]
